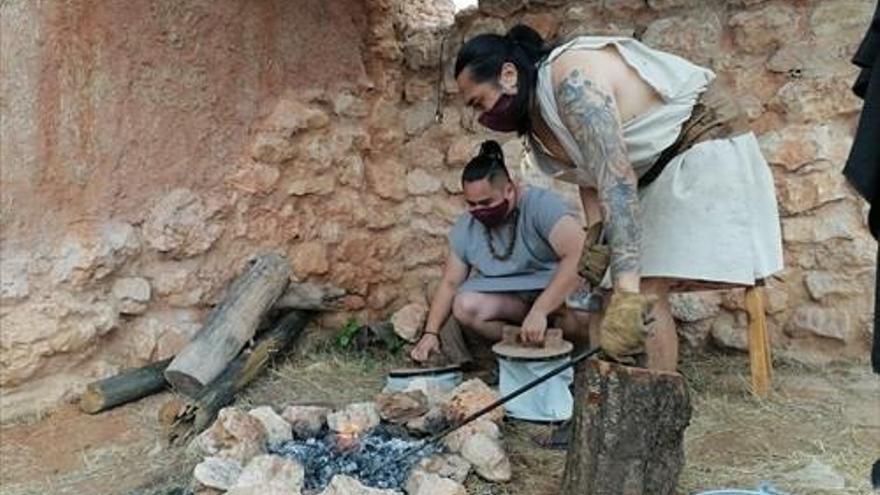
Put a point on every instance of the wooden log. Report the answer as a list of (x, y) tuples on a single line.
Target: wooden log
[(628, 431), (229, 326), (185, 418), (311, 297), (127, 386)]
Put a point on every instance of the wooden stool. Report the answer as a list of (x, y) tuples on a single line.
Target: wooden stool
[(760, 359)]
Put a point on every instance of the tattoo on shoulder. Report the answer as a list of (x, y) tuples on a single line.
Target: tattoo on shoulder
[(590, 115)]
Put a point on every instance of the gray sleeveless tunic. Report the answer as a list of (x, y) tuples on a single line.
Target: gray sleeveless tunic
[(532, 262), (711, 215)]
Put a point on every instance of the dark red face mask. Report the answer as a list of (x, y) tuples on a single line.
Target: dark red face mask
[(492, 216), (502, 116)]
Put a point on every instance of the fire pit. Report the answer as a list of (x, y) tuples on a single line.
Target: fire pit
[(357, 449), (367, 458)]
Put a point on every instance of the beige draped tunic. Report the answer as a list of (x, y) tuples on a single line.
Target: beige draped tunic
[(711, 215)]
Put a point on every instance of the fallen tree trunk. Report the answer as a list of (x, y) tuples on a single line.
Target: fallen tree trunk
[(628, 431), (230, 326), (189, 417), (127, 386)]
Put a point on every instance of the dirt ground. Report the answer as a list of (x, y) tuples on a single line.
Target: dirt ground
[(827, 414)]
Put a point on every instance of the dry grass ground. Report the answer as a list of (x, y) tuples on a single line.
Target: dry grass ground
[(831, 414)]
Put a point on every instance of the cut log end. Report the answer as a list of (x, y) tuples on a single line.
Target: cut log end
[(92, 400), (184, 383), (230, 325), (127, 386)]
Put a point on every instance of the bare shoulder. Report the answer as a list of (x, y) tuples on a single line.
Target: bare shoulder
[(587, 64)]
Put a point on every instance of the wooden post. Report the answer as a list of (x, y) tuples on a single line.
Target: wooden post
[(185, 418), (125, 387), (628, 431), (760, 359), (229, 326)]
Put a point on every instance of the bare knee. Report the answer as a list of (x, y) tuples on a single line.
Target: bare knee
[(466, 308)]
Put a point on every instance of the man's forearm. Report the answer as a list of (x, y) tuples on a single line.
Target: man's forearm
[(590, 114), (564, 281), (591, 204), (441, 306), (621, 201)]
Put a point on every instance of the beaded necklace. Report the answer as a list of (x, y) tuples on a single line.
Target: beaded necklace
[(510, 245)]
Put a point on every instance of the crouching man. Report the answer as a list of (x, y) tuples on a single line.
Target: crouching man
[(513, 259)]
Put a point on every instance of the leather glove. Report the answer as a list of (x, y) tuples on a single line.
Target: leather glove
[(595, 257), (624, 326)]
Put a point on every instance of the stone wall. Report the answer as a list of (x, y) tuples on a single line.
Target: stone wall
[(148, 149), (129, 193)]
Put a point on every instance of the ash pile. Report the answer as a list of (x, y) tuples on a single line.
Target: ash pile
[(358, 449), (379, 459)]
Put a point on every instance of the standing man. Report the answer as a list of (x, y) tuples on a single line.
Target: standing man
[(863, 166), (662, 160)]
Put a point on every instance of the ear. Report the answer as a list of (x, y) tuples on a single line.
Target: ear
[(508, 78)]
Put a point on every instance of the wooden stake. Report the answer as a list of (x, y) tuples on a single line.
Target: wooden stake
[(760, 359)]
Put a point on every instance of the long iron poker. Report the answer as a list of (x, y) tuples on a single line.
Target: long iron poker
[(507, 398)]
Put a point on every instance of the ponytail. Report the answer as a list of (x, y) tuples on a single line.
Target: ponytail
[(529, 41), (488, 164), (491, 150)]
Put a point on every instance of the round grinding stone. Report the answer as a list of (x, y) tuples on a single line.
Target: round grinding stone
[(553, 347)]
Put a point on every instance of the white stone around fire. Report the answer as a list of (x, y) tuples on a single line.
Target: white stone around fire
[(217, 472), (488, 457), (355, 418), (450, 466), (424, 483), (346, 485), (234, 435), (277, 429), (306, 421), (271, 472)]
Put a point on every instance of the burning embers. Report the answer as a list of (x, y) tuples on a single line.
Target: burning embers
[(370, 458), (356, 450), (347, 442)]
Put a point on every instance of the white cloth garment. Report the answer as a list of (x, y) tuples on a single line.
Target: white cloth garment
[(711, 215)]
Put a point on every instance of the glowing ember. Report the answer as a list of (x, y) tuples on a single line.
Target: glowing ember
[(347, 442)]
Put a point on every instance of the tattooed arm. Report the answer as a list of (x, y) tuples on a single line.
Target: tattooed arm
[(590, 113)]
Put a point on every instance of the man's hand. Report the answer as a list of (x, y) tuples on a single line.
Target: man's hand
[(534, 327), (427, 344), (624, 327)]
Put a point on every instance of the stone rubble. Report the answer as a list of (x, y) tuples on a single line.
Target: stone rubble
[(306, 421), (277, 428), (355, 418)]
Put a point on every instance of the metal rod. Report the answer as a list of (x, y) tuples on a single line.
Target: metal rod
[(516, 393), (507, 398)]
